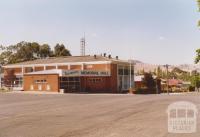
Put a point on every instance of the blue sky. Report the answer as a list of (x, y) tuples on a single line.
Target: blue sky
[(155, 31)]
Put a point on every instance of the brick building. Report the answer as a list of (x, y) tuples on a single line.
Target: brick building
[(71, 74)]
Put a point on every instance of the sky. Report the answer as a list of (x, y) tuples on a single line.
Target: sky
[(154, 31)]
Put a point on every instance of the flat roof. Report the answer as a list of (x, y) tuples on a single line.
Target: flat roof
[(68, 59)]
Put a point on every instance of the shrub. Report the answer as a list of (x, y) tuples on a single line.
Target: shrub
[(4, 89), (191, 88), (145, 91)]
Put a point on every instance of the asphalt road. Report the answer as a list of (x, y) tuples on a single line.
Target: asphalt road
[(74, 115)]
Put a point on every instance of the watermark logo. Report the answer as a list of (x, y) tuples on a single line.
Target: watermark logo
[(182, 117)]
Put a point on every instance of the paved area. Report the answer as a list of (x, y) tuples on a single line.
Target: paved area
[(80, 115)]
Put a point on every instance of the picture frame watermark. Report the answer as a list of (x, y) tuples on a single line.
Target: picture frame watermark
[(182, 117)]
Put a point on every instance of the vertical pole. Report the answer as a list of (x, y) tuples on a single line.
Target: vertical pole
[(130, 76), (123, 78), (167, 79), (23, 70), (82, 66), (45, 67)]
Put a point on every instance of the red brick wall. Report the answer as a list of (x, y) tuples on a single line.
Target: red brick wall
[(98, 67), (40, 68), (75, 67), (52, 80), (107, 84), (89, 86), (113, 80), (50, 67), (63, 67)]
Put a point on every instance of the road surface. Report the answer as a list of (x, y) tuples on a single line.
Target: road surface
[(83, 115)]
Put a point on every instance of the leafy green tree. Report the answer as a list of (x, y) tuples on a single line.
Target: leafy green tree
[(197, 59), (5, 57), (198, 2), (60, 50), (195, 81), (149, 81), (25, 51), (159, 72), (142, 72), (36, 49), (45, 51)]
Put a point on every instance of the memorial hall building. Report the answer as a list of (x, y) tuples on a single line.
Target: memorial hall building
[(73, 74)]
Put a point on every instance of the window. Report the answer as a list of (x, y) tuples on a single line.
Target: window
[(126, 71), (89, 66), (29, 69), (2, 82), (41, 81), (95, 80), (70, 83), (120, 71), (14, 82)]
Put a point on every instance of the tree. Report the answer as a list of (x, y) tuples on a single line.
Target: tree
[(159, 72), (60, 50), (25, 51), (142, 72), (149, 81), (5, 57), (198, 2), (197, 58), (195, 81), (45, 51), (9, 78), (36, 49)]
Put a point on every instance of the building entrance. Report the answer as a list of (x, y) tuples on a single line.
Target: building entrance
[(70, 84)]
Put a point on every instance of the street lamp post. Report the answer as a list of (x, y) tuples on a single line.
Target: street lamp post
[(131, 67), (130, 75)]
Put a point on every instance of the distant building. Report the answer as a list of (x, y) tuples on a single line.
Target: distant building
[(139, 81), (175, 85)]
